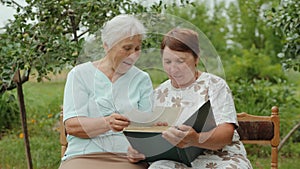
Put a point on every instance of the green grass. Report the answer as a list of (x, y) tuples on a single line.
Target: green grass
[(43, 101), (283, 163)]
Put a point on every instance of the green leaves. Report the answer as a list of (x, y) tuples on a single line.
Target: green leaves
[(9, 113), (252, 65), (47, 36), (286, 20)]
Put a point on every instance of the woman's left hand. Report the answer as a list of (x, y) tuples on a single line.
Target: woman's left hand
[(182, 136)]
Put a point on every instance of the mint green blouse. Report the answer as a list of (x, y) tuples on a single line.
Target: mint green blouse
[(88, 92)]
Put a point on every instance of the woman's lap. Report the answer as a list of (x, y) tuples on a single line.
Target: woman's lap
[(101, 161)]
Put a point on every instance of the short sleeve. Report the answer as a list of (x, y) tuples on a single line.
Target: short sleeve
[(75, 96), (222, 101)]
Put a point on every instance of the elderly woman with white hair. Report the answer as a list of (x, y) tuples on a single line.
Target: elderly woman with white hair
[(98, 94)]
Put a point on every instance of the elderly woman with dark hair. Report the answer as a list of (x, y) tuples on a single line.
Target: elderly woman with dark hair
[(189, 88), (98, 94)]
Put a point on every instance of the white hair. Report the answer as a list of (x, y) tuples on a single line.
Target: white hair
[(120, 27)]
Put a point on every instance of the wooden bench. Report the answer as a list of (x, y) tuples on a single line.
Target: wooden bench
[(261, 130), (63, 135), (253, 130)]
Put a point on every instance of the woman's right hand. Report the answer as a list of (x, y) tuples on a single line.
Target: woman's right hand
[(134, 156), (117, 122)]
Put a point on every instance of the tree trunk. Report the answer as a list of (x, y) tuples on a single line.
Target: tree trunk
[(23, 118)]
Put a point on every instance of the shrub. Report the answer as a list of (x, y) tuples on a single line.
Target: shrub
[(9, 113), (258, 84), (254, 65)]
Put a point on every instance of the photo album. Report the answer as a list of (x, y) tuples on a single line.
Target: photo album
[(146, 138)]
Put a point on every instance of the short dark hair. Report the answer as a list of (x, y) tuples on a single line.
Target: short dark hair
[(182, 40)]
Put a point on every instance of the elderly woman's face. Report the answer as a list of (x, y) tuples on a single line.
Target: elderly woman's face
[(180, 67), (125, 53)]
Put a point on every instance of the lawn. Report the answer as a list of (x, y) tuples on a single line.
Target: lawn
[(43, 101)]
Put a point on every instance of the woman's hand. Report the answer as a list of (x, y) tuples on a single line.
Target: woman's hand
[(185, 136), (117, 122), (182, 136), (134, 156)]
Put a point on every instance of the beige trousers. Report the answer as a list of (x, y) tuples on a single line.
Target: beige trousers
[(101, 161)]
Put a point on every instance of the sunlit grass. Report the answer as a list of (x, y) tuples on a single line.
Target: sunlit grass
[(43, 101)]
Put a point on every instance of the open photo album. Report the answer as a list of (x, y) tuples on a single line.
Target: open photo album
[(146, 137)]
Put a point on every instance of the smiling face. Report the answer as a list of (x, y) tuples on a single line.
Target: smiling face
[(125, 53), (180, 67)]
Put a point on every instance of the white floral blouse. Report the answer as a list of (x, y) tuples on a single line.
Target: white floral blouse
[(206, 87)]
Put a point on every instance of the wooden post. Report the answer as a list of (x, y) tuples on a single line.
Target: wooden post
[(63, 139), (17, 80), (275, 141)]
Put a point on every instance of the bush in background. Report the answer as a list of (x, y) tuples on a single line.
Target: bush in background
[(258, 84), (9, 113)]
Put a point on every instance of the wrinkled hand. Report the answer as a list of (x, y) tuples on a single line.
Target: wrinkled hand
[(117, 122), (134, 156), (182, 136)]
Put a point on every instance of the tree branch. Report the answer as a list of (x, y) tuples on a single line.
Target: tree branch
[(25, 78), (288, 136), (73, 24), (14, 2), (84, 33)]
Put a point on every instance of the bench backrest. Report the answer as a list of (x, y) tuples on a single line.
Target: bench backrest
[(261, 130)]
